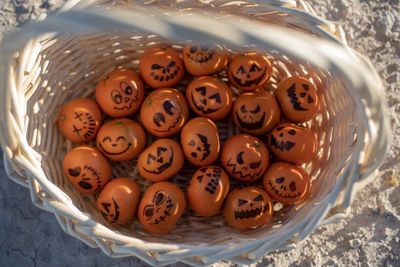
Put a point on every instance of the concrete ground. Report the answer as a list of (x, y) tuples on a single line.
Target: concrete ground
[(370, 236)]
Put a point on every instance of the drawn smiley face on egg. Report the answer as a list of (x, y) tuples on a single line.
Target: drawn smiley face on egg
[(286, 183), (121, 139), (298, 98), (293, 143), (247, 207)]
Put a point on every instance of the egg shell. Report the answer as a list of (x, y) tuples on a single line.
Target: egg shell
[(79, 120), (118, 200), (161, 160), (293, 143), (247, 207), (200, 141), (207, 190), (161, 207), (286, 183), (87, 169)]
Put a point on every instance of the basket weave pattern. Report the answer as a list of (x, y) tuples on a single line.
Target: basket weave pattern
[(53, 68)]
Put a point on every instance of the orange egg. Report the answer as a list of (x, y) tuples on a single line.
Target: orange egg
[(298, 99), (87, 169), (247, 207), (161, 160), (164, 112), (256, 112), (121, 139), (161, 67), (204, 59), (209, 97), (161, 207), (120, 92), (286, 183), (207, 190), (118, 200), (79, 120), (293, 143), (244, 157), (249, 71), (200, 141)]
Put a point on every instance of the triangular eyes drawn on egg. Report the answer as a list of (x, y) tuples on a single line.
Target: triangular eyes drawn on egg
[(242, 202)]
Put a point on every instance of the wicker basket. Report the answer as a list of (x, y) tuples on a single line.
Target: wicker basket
[(49, 62)]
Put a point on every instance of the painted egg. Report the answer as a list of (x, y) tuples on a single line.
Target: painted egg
[(209, 97), (297, 98), (247, 207), (121, 139), (79, 120), (200, 141), (204, 59), (249, 71), (293, 143), (286, 183), (207, 190), (118, 200), (161, 160), (161, 67), (161, 207), (244, 157), (120, 92), (256, 112), (164, 112), (86, 169)]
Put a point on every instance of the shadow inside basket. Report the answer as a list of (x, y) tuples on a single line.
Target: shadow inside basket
[(70, 66)]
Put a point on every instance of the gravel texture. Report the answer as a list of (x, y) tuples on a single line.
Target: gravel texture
[(369, 235)]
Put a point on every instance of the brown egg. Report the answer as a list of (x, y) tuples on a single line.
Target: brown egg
[(161, 160), (121, 139), (200, 141), (87, 169), (164, 112), (286, 183), (298, 99), (245, 157), (256, 112), (207, 190), (209, 97), (247, 207), (161, 207), (292, 143), (118, 200), (79, 120)]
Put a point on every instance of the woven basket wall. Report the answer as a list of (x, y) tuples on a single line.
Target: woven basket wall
[(64, 56)]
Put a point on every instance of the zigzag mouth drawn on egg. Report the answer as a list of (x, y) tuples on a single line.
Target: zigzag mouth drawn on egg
[(247, 214), (251, 125)]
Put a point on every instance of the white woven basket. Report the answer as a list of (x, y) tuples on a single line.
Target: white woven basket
[(64, 56)]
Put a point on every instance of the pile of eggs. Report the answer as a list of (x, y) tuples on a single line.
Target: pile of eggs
[(169, 115)]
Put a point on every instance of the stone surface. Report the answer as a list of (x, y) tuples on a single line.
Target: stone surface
[(369, 235)]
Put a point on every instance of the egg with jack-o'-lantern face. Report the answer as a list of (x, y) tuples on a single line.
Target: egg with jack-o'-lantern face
[(121, 139), (204, 59), (86, 169), (120, 92), (209, 97), (298, 98), (247, 207), (244, 157), (161, 160), (164, 112), (256, 112), (161, 207), (161, 67), (286, 183), (293, 143), (207, 190), (200, 141), (118, 200), (249, 71)]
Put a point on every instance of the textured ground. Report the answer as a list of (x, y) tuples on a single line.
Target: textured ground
[(370, 235)]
